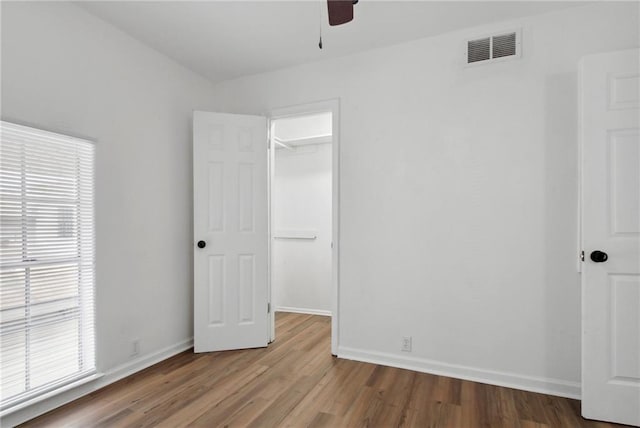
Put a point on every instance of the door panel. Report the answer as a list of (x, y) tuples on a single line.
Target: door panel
[(624, 153), (611, 223), (230, 216)]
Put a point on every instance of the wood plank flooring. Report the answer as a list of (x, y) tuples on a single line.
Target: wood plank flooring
[(295, 382)]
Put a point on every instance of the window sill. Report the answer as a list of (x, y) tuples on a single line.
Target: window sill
[(30, 402)]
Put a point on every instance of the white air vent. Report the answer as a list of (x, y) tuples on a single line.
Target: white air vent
[(490, 48)]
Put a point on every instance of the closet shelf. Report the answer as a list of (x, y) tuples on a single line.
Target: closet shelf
[(295, 234)]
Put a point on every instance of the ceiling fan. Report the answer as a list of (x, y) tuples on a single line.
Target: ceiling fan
[(340, 11)]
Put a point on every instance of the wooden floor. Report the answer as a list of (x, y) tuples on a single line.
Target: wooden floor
[(295, 382)]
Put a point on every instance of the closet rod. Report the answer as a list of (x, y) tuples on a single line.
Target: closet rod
[(310, 238), (282, 144)]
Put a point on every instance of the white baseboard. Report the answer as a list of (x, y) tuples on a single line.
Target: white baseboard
[(303, 311), (110, 376), (557, 387), (148, 360)]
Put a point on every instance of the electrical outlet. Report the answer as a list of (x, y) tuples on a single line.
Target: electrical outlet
[(135, 347), (406, 344)]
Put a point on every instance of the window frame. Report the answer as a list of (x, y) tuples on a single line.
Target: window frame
[(84, 221)]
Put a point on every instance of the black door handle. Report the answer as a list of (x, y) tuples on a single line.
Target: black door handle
[(599, 256), (202, 244)]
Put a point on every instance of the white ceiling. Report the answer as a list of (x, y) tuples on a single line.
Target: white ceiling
[(227, 39)]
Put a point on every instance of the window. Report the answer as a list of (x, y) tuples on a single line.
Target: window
[(46, 262)]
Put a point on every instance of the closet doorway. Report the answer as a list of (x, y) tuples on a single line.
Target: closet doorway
[(303, 169)]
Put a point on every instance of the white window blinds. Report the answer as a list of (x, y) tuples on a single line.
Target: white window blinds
[(46, 262)]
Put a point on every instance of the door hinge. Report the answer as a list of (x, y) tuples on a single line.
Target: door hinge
[(269, 307), (582, 255)]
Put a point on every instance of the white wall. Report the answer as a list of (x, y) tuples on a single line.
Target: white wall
[(302, 202), (65, 70), (458, 195), (458, 191)]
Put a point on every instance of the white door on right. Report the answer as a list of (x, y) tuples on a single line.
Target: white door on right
[(610, 126)]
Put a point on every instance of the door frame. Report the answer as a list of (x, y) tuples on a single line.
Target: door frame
[(333, 106)]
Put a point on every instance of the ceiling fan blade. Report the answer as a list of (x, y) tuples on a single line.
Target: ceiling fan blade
[(340, 11)]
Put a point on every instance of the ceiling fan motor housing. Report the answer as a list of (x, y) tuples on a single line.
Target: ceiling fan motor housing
[(340, 11)]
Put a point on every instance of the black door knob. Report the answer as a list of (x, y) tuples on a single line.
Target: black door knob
[(599, 256), (202, 244)]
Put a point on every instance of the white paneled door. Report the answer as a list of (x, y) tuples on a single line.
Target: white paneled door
[(230, 231), (610, 117)]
